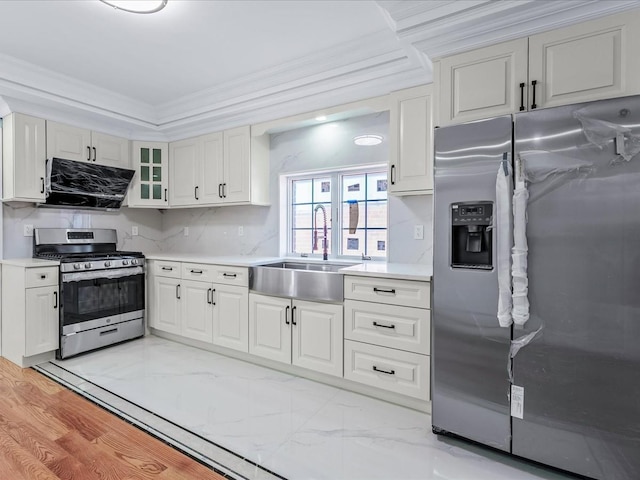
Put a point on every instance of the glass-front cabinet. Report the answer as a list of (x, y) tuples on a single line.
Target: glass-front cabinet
[(150, 185)]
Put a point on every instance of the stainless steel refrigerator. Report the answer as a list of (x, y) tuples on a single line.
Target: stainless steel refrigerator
[(557, 378)]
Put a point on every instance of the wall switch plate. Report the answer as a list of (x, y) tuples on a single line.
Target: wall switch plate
[(418, 232), (186, 231), (134, 230), (240, 231), (28, 230)]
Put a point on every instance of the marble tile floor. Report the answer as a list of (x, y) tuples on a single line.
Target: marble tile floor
[(252, 422)]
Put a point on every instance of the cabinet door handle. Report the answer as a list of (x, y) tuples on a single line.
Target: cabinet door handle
[(178, 291), (224, 190), (220, 190), (286, 315), (41, 184), (391, 291), (55, 299), (293, 316), (167, 268), (95, 154), (230, 275), (386, 372), (533, 88), (88, 153), (197, 272), (393, 174), (213, 290), (376, 324), (209, 301), (165, 194), (522, 85), (195, 192)]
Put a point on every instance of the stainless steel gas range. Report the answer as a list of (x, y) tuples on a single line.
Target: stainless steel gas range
[(102, 296)]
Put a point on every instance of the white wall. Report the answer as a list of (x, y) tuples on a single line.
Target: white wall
[(16, 245), (215, 230)]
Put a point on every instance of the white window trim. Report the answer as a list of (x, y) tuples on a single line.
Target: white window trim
[(336, 202)]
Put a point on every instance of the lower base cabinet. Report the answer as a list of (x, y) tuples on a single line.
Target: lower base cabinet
[(296, 332)]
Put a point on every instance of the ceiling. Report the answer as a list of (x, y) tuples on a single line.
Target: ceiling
[(204, 65)]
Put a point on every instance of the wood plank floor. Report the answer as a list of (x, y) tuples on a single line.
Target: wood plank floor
[(49, 432)]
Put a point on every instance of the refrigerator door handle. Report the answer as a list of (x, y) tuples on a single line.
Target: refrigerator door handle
[(501, 221)]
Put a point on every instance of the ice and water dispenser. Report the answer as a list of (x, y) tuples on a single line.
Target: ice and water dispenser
[(471, 235)]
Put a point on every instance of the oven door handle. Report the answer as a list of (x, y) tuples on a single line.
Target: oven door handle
[(102, 274)]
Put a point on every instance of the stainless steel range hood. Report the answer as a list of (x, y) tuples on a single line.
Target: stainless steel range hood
[(85, 185)]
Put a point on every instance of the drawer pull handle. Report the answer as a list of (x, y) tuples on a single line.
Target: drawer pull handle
[(167, 268), (391, 291), (197, 272), (387, 372), (376, 324), (43, 276), (230, 275), (107, 332)]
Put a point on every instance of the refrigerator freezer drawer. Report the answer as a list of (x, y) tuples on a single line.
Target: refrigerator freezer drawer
[(406, 293), (404, 328), (394, 370)]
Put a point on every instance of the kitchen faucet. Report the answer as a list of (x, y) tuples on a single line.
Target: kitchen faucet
[(315, 231)]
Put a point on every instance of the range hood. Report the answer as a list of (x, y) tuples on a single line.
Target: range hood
[(85, 185)]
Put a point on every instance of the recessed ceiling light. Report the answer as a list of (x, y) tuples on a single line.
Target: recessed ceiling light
[(321, 118), (367, 140), (137, 6)]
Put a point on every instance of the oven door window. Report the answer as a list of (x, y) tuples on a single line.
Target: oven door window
[(90, 299)]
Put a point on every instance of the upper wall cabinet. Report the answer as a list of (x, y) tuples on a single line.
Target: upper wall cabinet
[(229, 167), (589, 61), (23, 158), (73, 143), (150, 186), (411, 141)]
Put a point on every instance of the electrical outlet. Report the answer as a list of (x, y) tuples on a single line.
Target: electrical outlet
[(186, 231), (418, 232), (28, 230), (134, 230), (240, 231)]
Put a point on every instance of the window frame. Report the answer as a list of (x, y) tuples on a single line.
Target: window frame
[(334, 216)]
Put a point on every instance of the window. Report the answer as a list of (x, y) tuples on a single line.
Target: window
[(355, 202)]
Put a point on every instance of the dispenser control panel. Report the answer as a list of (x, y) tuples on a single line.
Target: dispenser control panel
[(476, 214)]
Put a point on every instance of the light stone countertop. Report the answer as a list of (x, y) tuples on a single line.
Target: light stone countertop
[(228, 260), (29, 262), (401, 271)]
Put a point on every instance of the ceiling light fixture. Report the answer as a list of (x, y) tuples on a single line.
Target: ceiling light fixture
[(367, 140), (137, 6)]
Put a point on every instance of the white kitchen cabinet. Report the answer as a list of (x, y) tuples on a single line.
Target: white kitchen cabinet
[(188, 302), (231, 317), (196, 171), (30, 312), (229, 167), (41, 320), (588, 61), (23, 158), (387, 334), (150, 186), (411, 141), (80, 144), (306, 334)]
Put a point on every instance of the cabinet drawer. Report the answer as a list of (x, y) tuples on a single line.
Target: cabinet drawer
[(198, 271), (407, 293), (392, 326), (232, 275), (394, 370), (162, 268), (41, 277)]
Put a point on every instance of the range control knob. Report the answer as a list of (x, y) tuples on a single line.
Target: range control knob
[(134, 261), (87, 265), (107, 263), (76, 266), (125, 262)]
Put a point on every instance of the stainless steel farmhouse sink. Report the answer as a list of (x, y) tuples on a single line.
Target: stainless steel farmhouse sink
[(302, 280)]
